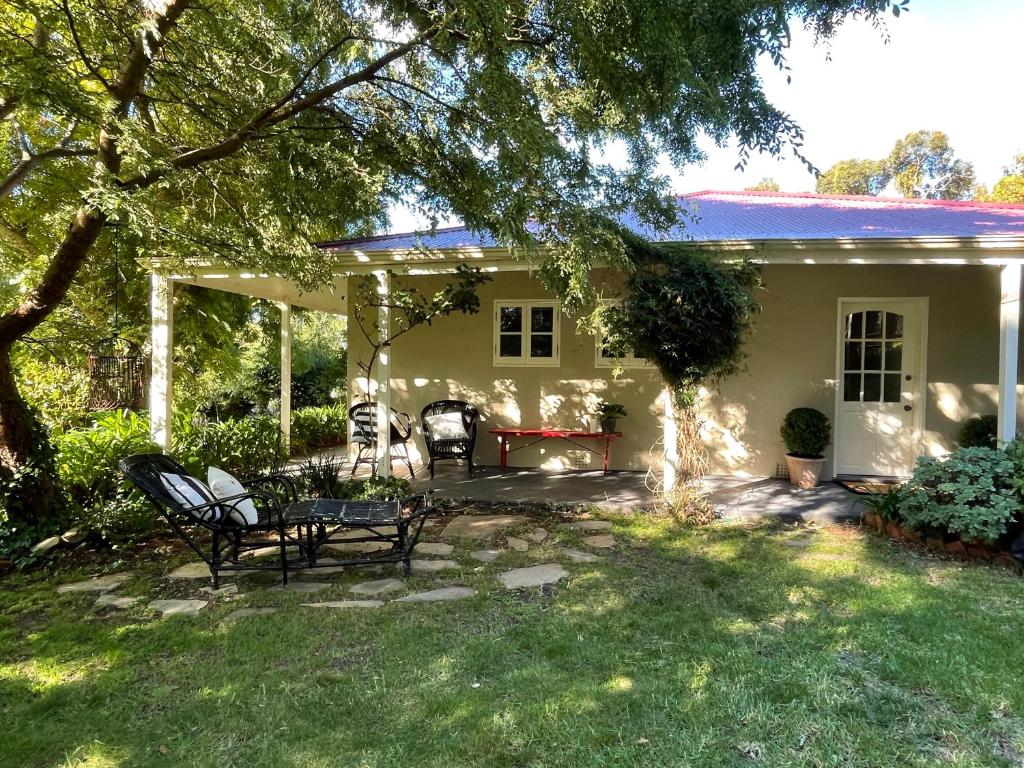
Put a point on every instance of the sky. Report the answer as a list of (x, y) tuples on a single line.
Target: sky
[(949, 65)]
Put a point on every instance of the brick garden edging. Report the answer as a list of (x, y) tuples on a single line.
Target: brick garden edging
[(974, 550)]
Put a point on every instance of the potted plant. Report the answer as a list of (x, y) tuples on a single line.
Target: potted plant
[(608, 414), (806, 433)]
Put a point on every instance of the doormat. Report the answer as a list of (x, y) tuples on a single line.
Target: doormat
[(868, 486)]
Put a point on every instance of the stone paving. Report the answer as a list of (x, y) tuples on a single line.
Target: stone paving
[(375, 593)]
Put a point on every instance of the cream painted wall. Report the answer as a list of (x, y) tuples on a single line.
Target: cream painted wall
[(791, 363), (453, 359)]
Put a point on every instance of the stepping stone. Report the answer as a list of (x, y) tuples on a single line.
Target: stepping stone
[(274, 551), (243, 613), (201, 570), (519, 545), (302, 587), (224, 591), (358, 533), (378, 587), (485, 555), (534, 576), (97, 584), (107, 600), (346, 604), (580, 557), (433, 548), (434, 595), (433, 566), (537, 535), (323, 565), (601, 541), (360, 547), (178, 607), (587, 525), (480, 526)]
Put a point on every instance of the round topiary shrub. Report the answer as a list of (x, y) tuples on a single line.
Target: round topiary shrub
[(978, 432), (806, 433)]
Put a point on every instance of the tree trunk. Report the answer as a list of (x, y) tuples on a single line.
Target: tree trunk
[(25, 453)]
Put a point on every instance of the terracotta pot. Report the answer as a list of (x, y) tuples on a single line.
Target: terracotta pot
[(804, 473)]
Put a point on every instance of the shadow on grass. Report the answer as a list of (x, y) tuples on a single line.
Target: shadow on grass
[(716, 646)]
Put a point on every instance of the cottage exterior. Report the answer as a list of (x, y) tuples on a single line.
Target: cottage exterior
[(896, 318)]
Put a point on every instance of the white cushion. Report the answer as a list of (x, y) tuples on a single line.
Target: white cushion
[(446, 426), (224, 484), (189, 492)]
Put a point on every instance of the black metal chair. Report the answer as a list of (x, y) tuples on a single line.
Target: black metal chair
[(364, 434), (445, 447), (221, 517)]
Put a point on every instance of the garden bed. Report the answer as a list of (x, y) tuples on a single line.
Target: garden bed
[(973, 550)]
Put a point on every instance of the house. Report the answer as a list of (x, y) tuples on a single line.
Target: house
[(897, 318)]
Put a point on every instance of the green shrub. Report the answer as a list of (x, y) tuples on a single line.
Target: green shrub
[(374, 488), (806, 432), (978, 432), (321, 477), (246, 446), (102, 501), (315, 428), (971, 493)]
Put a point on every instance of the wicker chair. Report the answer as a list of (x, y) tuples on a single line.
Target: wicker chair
[(228, 530), (449, 448), (364, 434)]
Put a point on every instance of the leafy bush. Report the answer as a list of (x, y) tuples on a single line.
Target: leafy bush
[(978, 432), (314, 428), (806, 432), (971, 493), (374, 488), (885, 505), (240, 446), (321, 477), (102, 501)]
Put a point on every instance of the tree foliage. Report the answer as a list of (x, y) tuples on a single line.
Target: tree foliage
[(767, 184), (1009, 188), (922, 164), (854, 177), (243, 130)]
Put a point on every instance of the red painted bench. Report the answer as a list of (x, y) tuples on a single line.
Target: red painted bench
[(569, 435)]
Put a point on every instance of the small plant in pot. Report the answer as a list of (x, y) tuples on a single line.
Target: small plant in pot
[(806, 433), (608, 414)]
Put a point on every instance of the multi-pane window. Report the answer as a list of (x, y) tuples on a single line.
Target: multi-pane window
[(605, 359), (872, 356), (526, 333)]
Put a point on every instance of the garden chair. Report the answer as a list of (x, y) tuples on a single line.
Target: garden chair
[(363, 417), (190, 507), (449, 430)]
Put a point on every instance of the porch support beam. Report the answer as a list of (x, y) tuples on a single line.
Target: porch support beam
[(670, 434), (162, 359), (286, 374), (1009, 326), (383, 381)]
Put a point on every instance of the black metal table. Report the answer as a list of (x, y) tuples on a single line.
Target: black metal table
[(320, 521)]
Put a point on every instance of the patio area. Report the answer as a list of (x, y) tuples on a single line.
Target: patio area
[(736, 498)]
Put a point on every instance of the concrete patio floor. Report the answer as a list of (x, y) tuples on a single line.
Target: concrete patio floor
[(736, 498)]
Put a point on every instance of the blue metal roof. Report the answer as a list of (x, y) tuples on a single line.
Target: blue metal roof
[(766, 216)]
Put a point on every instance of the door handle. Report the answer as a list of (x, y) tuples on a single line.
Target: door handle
[(908, 407)]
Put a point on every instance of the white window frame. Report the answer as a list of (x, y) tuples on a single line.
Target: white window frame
[(524, 360), (629, 361)]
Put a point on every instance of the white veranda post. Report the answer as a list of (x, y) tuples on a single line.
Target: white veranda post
[(286, 373), (383, 381), (161, 343), (1009, 326), (670, 436)]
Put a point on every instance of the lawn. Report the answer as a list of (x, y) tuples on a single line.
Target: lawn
[(732, 645)]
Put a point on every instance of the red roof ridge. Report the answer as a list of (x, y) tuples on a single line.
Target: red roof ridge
[(864, 198)]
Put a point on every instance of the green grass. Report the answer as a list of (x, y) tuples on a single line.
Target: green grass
[(725, 646)]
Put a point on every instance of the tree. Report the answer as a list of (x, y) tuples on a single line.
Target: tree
[(922, 164), (766, 184), (1010, 188), (854, 177), (243, 130)]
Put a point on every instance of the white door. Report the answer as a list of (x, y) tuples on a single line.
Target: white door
[(880, 403)]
